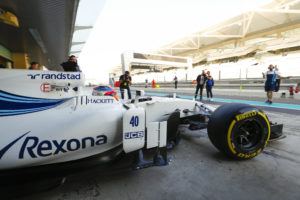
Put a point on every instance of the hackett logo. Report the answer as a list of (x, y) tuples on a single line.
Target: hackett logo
[(34, 147)]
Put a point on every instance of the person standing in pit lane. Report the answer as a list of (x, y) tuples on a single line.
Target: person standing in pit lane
[(277, 79), (209, 86), (176, 81), (124, 83), (201, 79), (270, 76), (270, 84)]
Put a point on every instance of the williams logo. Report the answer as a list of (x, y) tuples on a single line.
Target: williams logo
[(34, 147)]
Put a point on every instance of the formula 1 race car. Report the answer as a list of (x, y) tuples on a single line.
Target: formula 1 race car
[(49, 122)]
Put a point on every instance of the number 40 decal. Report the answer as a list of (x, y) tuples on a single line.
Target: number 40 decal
[(134, 121)]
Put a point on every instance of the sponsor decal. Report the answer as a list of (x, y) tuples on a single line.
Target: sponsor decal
[(45, 87), (134, 121), (133, 135), (246, 115), (97, 101), (66, 90), (34, 147), (241, 155), (60, 76), (60, 89)]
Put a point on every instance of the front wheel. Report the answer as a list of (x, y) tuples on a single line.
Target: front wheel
[(240, 131)]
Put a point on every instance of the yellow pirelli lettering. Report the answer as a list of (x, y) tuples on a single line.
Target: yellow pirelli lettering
[(241, 155), (259, 150), (246, 115)]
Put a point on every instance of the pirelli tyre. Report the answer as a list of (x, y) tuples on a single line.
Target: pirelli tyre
[(240, 131)]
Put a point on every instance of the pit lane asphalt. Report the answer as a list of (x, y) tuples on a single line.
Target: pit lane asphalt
[(198, 171)]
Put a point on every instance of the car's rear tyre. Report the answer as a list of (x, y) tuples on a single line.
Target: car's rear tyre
[(240, 131)]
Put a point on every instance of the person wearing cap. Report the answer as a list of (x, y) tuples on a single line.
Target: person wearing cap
[(71, 65), (124, 83), (34, 66)]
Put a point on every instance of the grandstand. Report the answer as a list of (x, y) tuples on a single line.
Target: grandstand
[(238, 48)]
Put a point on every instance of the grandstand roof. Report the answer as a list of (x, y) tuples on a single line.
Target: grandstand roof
[(273, 18)]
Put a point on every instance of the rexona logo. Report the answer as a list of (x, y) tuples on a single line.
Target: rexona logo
[(60, 76), (34, 147)]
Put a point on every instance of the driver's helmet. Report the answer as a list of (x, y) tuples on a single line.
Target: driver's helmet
[(105, 90)]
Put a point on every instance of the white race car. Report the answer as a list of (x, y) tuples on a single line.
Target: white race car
[(49, 122)]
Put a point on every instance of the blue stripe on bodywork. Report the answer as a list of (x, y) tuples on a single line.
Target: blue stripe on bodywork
[(11, 104)]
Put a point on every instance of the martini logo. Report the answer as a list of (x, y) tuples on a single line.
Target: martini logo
[(45, 87), (34, 147)]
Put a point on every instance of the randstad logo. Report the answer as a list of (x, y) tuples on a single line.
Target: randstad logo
[(60, 76), (34, 147)]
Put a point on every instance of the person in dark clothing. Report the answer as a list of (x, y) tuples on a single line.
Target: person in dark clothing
[(71, 65), (201, 79), (34, 66), (209, 86), (124, 83), (176, 81), (277, 79)]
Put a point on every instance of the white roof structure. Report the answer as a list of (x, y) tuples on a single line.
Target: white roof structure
[(87, 14), (139, 62), (271, 27)]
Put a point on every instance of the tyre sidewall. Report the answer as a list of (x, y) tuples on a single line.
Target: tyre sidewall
[(225, 120)]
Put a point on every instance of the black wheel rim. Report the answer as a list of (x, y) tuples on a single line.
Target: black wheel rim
[(247, 134)]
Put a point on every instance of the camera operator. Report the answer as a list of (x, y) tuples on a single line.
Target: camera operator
[(124, 82), (71, 65)]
